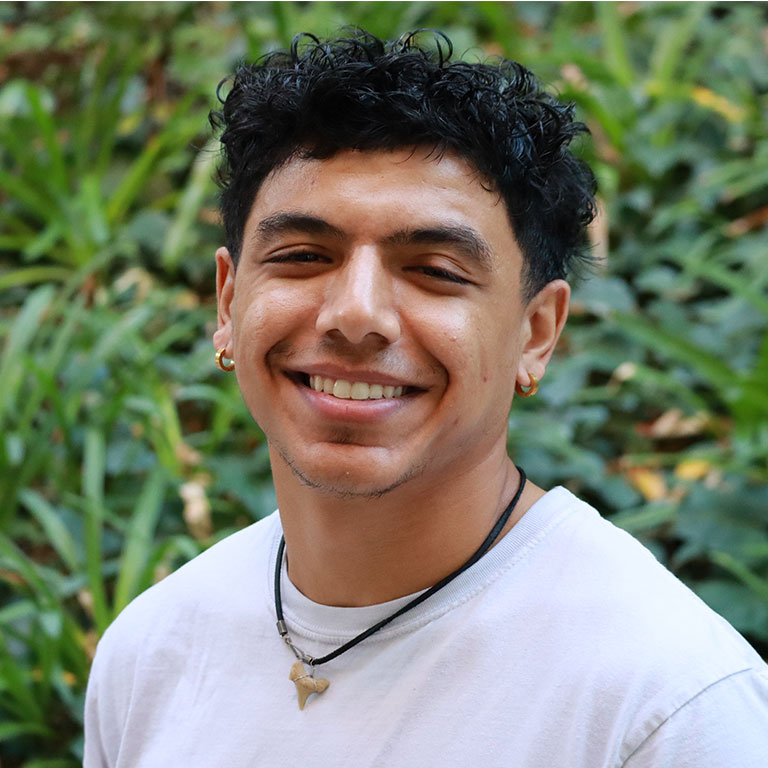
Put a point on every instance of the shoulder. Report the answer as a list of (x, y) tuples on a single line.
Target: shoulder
[(604, 574), (167, 630), (638, 637), (211, 584), (724, 724)]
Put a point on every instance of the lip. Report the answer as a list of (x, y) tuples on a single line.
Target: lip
[(347, 374), (347, 410)]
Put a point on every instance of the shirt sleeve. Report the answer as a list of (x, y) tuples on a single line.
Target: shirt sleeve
[(95, 749), (726, 724), (107, 700)]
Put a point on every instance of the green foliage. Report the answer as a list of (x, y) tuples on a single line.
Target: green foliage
[(123, 452)]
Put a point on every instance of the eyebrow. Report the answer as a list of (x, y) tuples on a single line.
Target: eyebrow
[(285, 221), (465, 239)]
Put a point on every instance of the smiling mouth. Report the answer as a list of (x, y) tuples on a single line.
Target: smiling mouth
[(352, 390)]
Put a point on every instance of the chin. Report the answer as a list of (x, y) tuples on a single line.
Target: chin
[(352, 478)]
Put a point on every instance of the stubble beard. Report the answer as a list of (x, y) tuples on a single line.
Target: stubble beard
[(345, 491)]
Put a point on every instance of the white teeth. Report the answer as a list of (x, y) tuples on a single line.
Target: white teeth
[(342, 389), (360, 391), (354, 390)]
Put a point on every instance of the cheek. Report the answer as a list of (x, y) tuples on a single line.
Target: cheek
[(482, 347), (264, 315), (461, 344)]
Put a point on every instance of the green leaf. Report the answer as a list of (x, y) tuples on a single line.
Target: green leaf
[(93, 490), (138, 541), (47, 129), (28, 194), (20, 609), (55, 530), (15, 560), (614, 42), (17, 344), (744, 574), (17, 685), (659, 339), (751, 292), (28, 275), (114, 337), (671, 45), (145, 165), (736, 604), (198, 187), (650, 516), (14, 730)]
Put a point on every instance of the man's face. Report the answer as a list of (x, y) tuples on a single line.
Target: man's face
[(391, 277)]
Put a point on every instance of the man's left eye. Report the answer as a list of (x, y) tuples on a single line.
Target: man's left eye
[(443, 274)]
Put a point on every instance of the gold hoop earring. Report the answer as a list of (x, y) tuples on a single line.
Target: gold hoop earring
[(531, 391), (220, 364)]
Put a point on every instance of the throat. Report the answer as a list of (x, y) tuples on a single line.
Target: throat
[(373, 555)]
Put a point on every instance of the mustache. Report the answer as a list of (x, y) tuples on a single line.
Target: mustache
[(382, 356)]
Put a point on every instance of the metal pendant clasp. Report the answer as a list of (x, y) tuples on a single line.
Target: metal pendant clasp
[(297, 652)]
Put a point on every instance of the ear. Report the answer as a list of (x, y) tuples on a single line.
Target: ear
[(545, 317), (225, 293)]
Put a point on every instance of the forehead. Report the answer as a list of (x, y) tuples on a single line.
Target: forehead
[(379, 190)]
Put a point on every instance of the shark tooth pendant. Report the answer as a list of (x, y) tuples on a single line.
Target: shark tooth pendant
[(306, 684)]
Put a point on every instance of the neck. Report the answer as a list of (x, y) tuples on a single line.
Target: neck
[(362, 551)]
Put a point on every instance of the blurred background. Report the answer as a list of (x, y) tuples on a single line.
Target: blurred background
[(124, 452)]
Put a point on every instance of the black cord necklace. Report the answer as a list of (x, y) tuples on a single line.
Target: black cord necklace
[(307, 683)]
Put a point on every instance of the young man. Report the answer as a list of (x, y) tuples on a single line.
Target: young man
[(398, 233)]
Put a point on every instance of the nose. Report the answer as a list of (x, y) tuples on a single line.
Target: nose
[(358, 301)]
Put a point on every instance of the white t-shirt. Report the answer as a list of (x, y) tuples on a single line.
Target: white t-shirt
[(567, 646)]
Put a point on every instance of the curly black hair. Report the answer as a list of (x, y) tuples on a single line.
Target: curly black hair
[(360, 92)]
